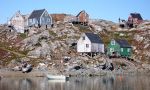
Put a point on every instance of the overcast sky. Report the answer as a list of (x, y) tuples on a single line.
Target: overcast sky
[(97, 9)]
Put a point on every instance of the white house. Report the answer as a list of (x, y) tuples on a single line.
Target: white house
[(18, 22), (40, 18), (90, 43)]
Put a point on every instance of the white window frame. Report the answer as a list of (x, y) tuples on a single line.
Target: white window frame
[(111, 49), (121, 49), (128, 50), (83, 38), (113, 42), (17, 15), (48, 20), (87, 45)]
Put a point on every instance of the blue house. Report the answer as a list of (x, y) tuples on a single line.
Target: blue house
[(40, 18)]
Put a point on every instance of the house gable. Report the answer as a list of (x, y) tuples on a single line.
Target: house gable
[(18, 22), (45, 18), (113, 46), (17, 16), (82, 16), (39, 17), (84, 44)]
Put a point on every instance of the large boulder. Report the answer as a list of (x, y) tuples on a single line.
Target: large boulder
[(43, 51), (34, 40)]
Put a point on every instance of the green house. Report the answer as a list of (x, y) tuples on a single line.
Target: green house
[(118, 48)]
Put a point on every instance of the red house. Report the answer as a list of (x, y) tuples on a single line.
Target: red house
[(83, 17), (135, 19)]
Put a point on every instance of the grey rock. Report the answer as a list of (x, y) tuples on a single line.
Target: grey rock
[(32, 41), (43, 51)]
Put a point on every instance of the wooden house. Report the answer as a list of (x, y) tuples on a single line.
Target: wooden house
[(18, 22), (39, 18), (135, 19), (119, 48), (82, 18), (90, 43)]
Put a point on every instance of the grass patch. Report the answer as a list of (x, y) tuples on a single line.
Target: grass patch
[(23, 35), (74, 37), (52, 33), (62, 37)]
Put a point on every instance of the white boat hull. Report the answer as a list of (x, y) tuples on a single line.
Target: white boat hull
[(57, 77)]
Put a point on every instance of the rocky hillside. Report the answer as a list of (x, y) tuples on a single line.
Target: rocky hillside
[(57, 43)]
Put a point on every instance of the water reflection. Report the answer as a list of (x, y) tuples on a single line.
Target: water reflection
[(110, 82)]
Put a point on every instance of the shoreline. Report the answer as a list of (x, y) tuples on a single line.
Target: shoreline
[(37, 73), (21, 74)]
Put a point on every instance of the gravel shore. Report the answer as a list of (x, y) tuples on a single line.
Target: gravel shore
[(37, 73), (20, 74)]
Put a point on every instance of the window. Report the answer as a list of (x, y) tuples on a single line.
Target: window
[(87, 45), (17, 15), (46, 14), (83, 38), (48, 20), (121, 49), (111, 49), (128, 50), (113, 42)]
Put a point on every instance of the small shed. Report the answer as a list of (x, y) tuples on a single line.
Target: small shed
[(90, 43), (40, 18), (119, 47)]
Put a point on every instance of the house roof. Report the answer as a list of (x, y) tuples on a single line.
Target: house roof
[(122, 43), (36, 13), (94, 38), (136, 15)]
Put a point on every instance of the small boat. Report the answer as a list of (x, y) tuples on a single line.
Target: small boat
[(28, 68), (57, 77)]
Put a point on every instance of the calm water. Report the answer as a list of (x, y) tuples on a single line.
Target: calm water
[(84, 83)]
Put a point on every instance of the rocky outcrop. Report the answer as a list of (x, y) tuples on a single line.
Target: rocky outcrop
[(144, 26), (33, 41), (42, 51), (55, 43), (100, 25)]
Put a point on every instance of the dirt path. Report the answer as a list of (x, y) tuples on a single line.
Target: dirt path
[(16, 53)]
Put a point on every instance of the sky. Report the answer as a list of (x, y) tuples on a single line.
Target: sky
[(97, 9)]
